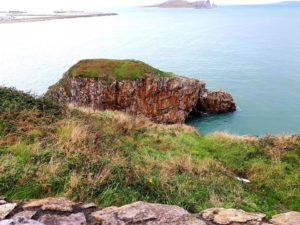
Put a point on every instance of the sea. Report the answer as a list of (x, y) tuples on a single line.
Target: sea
[(253, 52)]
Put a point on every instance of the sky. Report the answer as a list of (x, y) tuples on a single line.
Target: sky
[(46, 5)]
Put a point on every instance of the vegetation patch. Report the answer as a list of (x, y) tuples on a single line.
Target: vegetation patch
[(114, 159), (109, 70)]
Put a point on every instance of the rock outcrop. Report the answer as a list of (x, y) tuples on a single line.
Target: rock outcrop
[(138, 213), (158, 96)]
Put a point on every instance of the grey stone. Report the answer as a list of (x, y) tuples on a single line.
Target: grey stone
[(20, 221), (73, 219), (5, 209), (25, 214)]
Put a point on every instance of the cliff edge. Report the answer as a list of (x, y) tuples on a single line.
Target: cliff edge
[(138, 89)]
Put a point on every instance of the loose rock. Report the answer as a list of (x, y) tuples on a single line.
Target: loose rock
[(229, 216), (2, 202), (20, 221), (73, 219), (25, 214), (56, 204), (142, 213), (290, 218), (5, 209)]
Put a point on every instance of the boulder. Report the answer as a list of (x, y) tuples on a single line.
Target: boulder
[(289, 218), (223, 216), (142, 213), (54, 204), (217, 102)]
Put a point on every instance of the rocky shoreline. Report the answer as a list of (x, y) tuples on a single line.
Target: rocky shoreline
[(61, 211), (46, 17)]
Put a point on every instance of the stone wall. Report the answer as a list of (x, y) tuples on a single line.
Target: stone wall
[(61, 211)]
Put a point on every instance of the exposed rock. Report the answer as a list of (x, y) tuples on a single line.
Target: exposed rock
[(58, 204), (28, 214), (217, 102), (290, 218), (231, 216), (161, 99), (6, 209), (73, 219), (2, 202), (88, 205), (20, 221), (61, 211), (142, 213)]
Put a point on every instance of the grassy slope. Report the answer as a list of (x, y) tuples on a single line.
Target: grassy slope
[(113, 159), (109, 70)]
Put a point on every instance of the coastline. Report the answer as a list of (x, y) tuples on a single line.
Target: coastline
[(47, 17)]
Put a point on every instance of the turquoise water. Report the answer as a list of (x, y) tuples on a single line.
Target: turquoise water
[(252, 52)]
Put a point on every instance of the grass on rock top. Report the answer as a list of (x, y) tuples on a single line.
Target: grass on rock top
[(109, 70), (113, 159)]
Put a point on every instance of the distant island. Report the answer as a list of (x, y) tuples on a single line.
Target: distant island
[(206, 4)]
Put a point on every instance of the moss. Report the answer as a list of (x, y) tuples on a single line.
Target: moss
[(114, 159), (108, 70)]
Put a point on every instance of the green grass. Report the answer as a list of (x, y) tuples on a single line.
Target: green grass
[(109, 70), (112, 159)]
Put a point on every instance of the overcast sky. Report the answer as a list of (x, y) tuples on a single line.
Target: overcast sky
[(33, 5)]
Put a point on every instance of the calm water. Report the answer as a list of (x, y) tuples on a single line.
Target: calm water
[(252, 52)]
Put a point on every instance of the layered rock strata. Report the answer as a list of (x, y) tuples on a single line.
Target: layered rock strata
[(161, 99)]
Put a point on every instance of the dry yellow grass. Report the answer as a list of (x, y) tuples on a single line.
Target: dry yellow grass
[(233, 137)]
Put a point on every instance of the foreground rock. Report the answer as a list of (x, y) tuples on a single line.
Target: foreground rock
[(58, 204), (138, 89), (230, 216), (35, 212), (146, 213), (290, 218), (5, 209)]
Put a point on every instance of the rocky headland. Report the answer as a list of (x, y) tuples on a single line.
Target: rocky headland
[(61, 211), (138, 89)]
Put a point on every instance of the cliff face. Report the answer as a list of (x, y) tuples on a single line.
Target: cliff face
[(162, 99)]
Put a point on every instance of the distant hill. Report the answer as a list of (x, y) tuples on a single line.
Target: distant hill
[(206, 4), (288, 3)]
